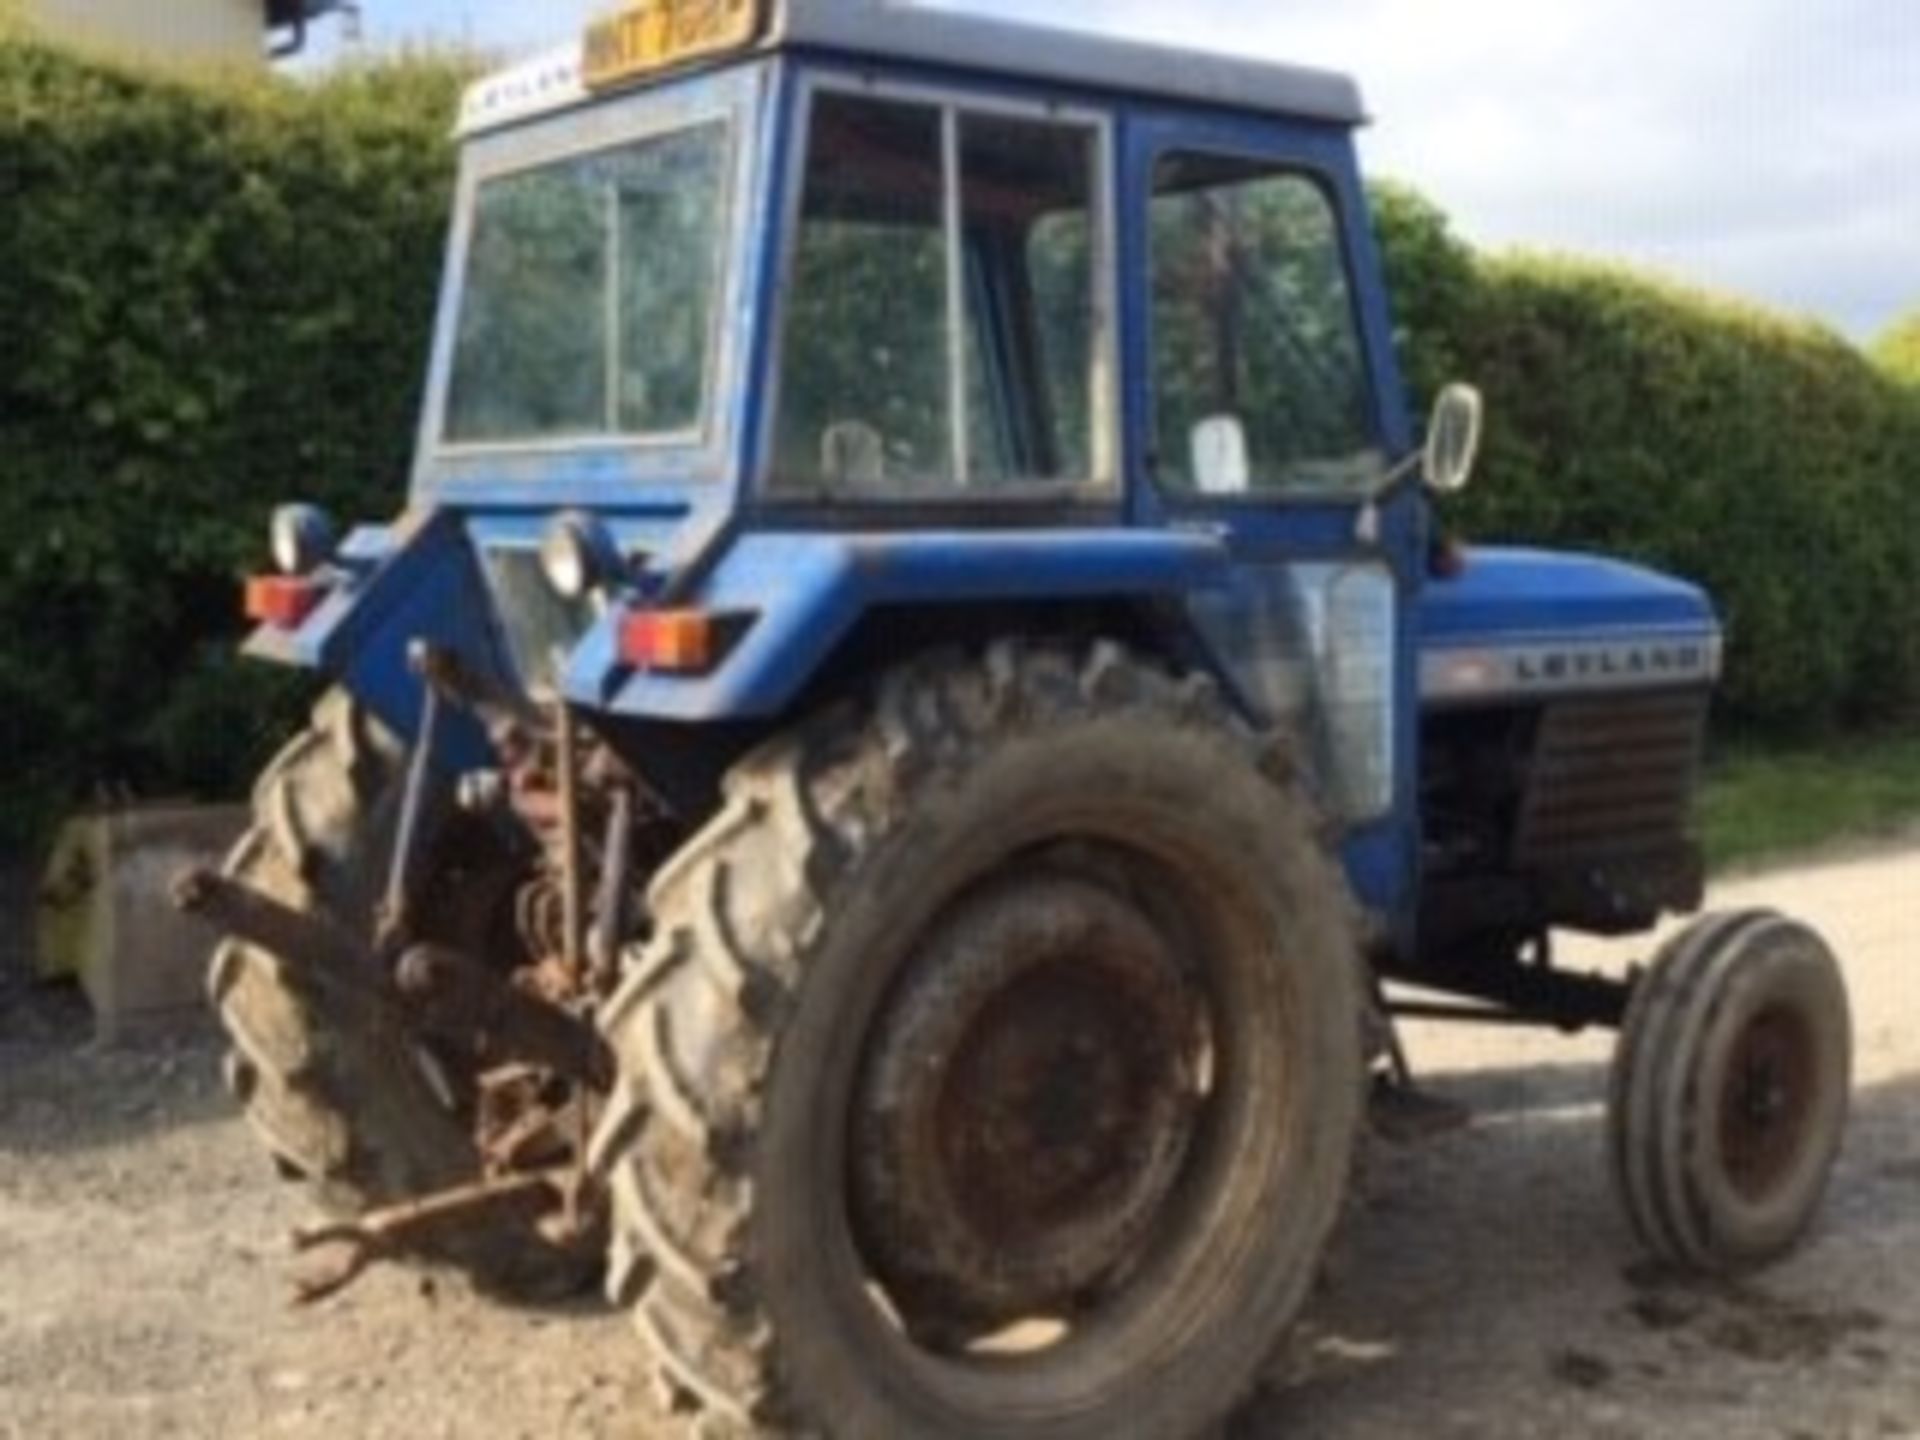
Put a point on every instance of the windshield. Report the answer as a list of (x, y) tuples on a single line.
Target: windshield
[(591, 295)]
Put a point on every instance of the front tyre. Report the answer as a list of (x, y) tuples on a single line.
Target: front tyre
[(1731, 1092), (993, 1070)]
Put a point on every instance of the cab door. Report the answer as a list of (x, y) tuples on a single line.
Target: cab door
[(1264, 403)]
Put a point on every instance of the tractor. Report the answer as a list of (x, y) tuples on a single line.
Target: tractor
[(919, 734)]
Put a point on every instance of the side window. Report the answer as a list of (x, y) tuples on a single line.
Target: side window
[(944, 330), (867, 390), (1259, 369), (1026, 226)]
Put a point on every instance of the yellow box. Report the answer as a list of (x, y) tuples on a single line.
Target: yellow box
[(654, 35)]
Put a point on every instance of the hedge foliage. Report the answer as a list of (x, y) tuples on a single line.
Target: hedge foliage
[(1764, 457), (218, 295), (1899, 349)]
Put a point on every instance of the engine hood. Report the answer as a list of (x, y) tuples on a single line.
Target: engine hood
[(1521, 624)]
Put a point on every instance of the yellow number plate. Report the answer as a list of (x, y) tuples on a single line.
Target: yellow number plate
[(652, 35)]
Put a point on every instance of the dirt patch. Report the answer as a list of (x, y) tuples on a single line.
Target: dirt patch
[(1481, 1292), (1749, 1322)]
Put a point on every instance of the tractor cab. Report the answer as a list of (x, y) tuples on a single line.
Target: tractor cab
[(910, 727), (829, 322)]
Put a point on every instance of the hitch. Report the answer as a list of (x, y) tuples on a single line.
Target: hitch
[(446, 995), (305, 942), (417, 1225), (455, 998)]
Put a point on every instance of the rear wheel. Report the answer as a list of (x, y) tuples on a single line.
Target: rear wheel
[(994, 1069), (339, 1091), (1731, 1092)]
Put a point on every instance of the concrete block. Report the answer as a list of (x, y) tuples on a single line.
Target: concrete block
[(105, 914)]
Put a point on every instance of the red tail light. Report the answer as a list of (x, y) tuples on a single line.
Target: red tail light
[(283, 600)]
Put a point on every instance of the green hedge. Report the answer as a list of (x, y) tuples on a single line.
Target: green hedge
[(217, 295), (1769, 460), (1898, 351), (1766, 458)]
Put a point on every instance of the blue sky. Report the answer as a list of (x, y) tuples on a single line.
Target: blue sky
[(1769, 148)]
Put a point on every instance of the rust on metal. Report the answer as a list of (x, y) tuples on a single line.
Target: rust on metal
[(1768, 1101), (456, 997), (417, 1225), (572, 891), (1028, 1106)]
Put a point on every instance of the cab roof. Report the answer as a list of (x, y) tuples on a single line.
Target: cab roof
[(914, 32)]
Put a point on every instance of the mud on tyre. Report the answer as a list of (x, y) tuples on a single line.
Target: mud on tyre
[(993, 1067), (327, 1075)]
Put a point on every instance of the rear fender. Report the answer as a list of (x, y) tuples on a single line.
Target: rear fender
[(799, 596)]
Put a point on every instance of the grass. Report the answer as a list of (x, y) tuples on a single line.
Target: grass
[(1763, 804)]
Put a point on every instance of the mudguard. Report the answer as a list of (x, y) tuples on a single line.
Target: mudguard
[(799, 595)]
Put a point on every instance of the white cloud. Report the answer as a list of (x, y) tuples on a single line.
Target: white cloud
[(1766, 147)]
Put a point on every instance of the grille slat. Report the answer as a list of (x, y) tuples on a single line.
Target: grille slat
[(1612, 777)]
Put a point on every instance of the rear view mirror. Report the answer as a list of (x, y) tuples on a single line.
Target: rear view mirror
[(1453, 439), (1220, 462)]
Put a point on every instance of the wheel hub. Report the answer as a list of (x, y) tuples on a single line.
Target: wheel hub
[(1768, 1101), (1028, 1099)]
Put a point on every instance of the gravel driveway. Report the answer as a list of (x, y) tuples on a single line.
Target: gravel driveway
[(1484, 1289)]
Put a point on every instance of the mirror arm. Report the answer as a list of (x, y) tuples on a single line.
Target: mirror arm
[(1366, 529)]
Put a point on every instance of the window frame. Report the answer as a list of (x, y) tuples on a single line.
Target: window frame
[(1106, 387), (1328, 186), (597, 130)]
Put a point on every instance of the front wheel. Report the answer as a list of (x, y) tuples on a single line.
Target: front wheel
[(993, 1070), (1731, 1092)]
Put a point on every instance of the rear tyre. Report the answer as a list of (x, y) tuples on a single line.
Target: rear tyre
[(327, 1075), (993, 1070), (1731, 1092)]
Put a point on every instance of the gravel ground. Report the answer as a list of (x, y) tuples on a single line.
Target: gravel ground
[(1484, 1288)]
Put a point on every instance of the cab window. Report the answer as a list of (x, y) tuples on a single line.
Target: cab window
[(1259, 368), (944, 330)]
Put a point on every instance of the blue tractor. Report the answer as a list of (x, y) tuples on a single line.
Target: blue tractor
[(916, 736)]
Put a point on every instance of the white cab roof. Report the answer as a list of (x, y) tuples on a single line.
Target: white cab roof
[(897, 30)]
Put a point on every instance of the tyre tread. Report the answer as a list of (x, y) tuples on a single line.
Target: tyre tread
[(747, 897)]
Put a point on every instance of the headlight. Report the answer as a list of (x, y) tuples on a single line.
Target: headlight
[(578, 556), (303, 538)]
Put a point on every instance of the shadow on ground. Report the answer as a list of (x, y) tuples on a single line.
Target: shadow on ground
[(1494, 1263), (61, 1093)]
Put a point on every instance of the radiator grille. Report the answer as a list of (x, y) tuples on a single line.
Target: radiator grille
[(1612, 779)]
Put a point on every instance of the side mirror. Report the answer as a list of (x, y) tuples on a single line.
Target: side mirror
[(1453, 439)]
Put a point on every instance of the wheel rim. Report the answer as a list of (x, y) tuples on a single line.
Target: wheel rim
[(1027, 1108), (1768, 1102)]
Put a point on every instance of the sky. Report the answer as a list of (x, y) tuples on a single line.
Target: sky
[(1769, 148)]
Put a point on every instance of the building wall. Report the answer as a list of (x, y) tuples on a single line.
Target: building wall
[(192, 31)]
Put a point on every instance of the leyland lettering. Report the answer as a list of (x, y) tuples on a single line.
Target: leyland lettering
[(1614, 662)]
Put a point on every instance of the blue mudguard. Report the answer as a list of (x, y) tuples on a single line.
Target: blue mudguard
[(799, 595)]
